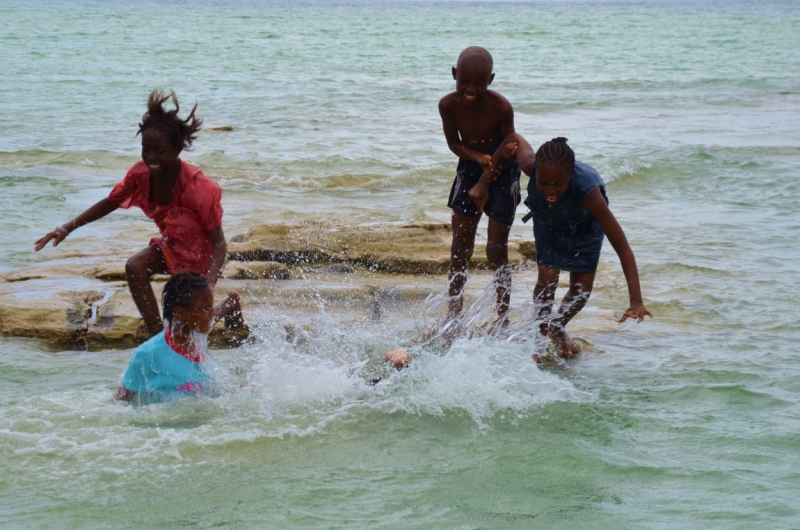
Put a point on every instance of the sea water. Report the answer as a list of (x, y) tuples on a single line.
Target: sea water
[(690, 111)]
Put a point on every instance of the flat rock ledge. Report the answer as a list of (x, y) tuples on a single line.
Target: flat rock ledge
[(402, 249), (80, 302)]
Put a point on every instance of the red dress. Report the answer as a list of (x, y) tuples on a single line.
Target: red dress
[(185, 223)]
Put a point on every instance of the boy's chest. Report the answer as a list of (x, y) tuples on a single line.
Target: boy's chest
[(478, 124)]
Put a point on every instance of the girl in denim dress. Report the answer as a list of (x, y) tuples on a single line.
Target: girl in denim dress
[(571, 217)]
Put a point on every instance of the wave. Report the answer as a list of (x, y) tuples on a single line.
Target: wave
[(36, 158)]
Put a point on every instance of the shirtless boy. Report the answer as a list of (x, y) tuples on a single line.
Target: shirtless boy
[(475, 121)]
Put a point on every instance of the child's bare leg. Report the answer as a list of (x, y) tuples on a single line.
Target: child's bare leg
[(497, 254), (464, 228), (543, 295), (138, 269), (580, 288), (231, 311)]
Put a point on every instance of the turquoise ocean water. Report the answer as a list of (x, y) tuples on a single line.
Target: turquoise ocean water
[(691, 112)]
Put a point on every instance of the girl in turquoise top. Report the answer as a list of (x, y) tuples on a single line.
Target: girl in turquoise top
[(174, 362), (570, 219)]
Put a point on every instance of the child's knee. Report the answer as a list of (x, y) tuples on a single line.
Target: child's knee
[(461, 253), (134, 268), (497, 254)]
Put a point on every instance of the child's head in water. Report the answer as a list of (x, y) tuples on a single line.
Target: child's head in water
[(165, 135), (555, 165), (188, 304)]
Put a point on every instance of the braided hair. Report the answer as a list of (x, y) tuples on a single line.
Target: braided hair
[(556, 152), (181, 133), (180, 289)]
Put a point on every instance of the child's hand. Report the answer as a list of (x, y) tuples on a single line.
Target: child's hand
[(485, 161), (479, 193), (510, 151), (58, 235), (637, 310)]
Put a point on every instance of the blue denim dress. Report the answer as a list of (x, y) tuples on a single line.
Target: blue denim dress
[(568, 237)]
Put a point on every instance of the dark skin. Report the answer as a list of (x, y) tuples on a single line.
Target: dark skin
[(475, 120), (552, 182), (161, 157)]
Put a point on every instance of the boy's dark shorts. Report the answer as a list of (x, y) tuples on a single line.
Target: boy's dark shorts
[(504, 193)]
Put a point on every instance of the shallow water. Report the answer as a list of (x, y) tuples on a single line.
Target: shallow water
[(688, 109)]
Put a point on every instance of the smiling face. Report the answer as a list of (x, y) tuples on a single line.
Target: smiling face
[(199, 315), (552, 181), (473, 78), (159, 154)]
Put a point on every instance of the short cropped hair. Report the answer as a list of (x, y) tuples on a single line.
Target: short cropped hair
[(478, 55), (556, 152), (180, 289), (181, 133)]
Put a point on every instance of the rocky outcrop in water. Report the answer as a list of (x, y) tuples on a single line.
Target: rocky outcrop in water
[(403, 249), (80, 302)]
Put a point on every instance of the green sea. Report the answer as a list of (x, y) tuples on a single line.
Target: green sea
[(690, 110)]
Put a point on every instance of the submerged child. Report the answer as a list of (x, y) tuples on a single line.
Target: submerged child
[(174, 362), (569, 206), (475, 122), (184, 203)]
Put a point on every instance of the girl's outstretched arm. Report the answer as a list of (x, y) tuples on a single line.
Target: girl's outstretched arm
[(218, 254), (597, 206), (100, 209)]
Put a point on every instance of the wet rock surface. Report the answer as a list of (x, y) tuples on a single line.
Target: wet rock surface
[(403, 249), (83, 302)]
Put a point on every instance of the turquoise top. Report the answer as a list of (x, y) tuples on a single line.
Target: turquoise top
[(162, 371)]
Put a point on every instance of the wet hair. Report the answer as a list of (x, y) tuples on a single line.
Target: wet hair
[(478, 55), (180, 289), (556, 152), (181, 133)]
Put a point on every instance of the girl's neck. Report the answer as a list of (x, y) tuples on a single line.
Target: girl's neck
[(168, 180), (162, 190)]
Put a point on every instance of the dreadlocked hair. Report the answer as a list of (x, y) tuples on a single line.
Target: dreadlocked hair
[(556, 152), (181, 133), (180, 289)]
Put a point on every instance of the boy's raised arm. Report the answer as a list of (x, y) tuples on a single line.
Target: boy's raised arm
[(596, 205), (95, 212)]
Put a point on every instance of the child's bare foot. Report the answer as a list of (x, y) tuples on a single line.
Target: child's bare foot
[(563, 341), (398, 358), (231, 311)]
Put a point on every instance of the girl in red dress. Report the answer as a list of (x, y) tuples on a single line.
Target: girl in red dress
[(184, 203)]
